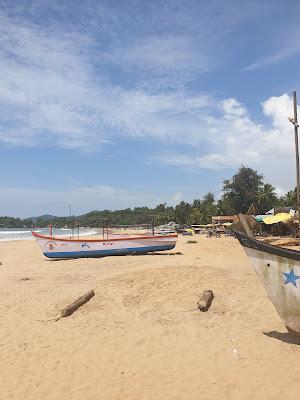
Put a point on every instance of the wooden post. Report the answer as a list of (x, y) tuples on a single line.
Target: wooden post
[(205, 301), (76, 304), (295, 122), (73, 226), (152, 223), (70, 220)]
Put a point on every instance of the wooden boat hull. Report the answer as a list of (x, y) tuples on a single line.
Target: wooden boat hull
[(76, 248), (279, 271)]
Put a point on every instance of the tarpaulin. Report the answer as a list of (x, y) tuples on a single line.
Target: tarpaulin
[(274, 219)]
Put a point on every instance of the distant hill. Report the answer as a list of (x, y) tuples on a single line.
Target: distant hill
[(45, 217)]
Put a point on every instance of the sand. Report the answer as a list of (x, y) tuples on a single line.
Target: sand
[(138, 339)]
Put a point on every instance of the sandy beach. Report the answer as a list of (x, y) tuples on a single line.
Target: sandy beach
[(140, 336)]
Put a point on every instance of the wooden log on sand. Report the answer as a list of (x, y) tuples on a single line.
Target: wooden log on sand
[(76, 304), (205, 301)]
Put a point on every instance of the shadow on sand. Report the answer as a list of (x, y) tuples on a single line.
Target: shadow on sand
[(285, 337), (178, 253)]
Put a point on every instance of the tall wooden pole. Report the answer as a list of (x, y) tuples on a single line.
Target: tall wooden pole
[(71, 219), (297, 156), (152, 224)]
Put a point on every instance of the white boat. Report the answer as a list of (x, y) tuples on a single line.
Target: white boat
[(54, 247), (279, 271), (166, 232)]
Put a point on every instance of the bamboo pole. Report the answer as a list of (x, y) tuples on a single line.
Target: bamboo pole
[(296, 125)]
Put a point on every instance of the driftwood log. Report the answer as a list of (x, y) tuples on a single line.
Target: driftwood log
[(205, 301), (76, 304)]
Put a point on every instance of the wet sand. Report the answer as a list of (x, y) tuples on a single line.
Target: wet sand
[(140, 336)]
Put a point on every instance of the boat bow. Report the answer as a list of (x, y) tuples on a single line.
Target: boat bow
[(279, 271)]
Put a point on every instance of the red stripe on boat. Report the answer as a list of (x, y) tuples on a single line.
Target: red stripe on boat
[(35, 234)]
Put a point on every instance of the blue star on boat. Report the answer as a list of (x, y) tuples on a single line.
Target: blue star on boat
[(291, 277)]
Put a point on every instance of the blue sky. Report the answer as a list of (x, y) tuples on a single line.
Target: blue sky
[(115, 104)]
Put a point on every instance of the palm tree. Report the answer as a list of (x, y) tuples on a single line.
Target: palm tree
[(290, 199), (266, 198)]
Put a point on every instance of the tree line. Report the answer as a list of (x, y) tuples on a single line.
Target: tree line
[(245, 188)]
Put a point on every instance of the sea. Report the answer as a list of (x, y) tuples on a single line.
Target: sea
[(7, 234)]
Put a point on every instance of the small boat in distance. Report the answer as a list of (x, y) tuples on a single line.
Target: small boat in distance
[(58, 247), (279, 271)]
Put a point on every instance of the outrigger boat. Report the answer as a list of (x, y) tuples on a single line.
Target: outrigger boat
[(279, 271), (57, 247)]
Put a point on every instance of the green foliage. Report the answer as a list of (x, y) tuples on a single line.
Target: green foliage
[(266, 198), (241, 190), (11, 222), (196, 217), (182, 212), (289, 200), (203, 210), (163, 214), (246, 187)]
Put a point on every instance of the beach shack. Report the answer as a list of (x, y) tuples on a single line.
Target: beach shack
[(222, 219)]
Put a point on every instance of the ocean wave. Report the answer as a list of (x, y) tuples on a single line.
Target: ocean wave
[(81, 233), (7, 235), (16, 238), (89, 233), (15, 232)]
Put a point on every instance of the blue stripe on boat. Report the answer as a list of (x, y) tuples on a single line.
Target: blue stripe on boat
[(99, 253)]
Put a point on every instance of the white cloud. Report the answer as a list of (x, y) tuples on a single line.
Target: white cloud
[(56, 82), (278, 109), (232, 108), (50, 94), (43, 87), (278, 45), (177, 198), (236, 139), (273, 59), (171, 53), (54, 93)]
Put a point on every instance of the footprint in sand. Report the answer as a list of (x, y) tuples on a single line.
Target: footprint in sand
[(130, 300)]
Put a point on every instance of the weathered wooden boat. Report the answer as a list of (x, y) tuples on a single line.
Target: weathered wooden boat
[(58, 247), (278, 268), (279, 271)]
